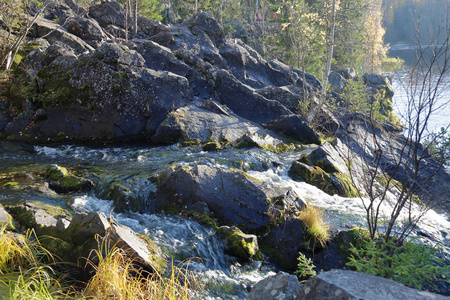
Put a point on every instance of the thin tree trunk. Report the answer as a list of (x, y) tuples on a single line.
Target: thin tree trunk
[(323, 93), (135, 15), (127, 9)]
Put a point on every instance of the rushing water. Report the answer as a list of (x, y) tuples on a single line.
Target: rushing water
[(182, 238)]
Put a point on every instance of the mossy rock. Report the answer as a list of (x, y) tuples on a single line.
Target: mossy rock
[(212, 146), (344, 185), (243, 246), (123, 197), (6, 220), (157, 257), (61, 181), (314, 176)]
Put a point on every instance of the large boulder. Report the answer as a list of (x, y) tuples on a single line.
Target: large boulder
[(85, 230), (283, 244), (233, 196), (193, 122), (88, 30), (229, 194), (344, 284)]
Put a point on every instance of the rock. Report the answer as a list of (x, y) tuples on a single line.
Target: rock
[(284, 197), (379, 82), (230, 194), (83, 230), (337, 82), (283, 243), (158, 57), (62, 10), (109, 13), (31, 215), (88, 30), (243, 246), (296, 127), (141, 249), (275, 287), (344, 284), (62, 182), (357, 136), (245, 102), (193, 122), (312, 175), (5, 218), (56, 34), (284, 95), (124, 199), (212, 146), (347, 73), (113, 54), (84, 227)]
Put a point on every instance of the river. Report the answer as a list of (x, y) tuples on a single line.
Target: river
[(441, 116), (223, 277)]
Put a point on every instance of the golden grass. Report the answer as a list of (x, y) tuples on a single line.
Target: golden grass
[(116, 277), (316, 227), (26, 273)]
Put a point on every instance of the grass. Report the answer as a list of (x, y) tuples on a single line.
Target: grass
[(27, 272), (316, 228)]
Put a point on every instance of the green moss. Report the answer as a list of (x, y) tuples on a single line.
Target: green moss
[(238, 243), (212, 146), (350, 190), (384, 179), (191, 142), (156, 257), (280, 148), (249, 177), (313, 175)]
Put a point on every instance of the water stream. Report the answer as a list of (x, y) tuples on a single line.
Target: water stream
[(182, 238)]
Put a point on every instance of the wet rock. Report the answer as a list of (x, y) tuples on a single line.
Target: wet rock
[(140, 248), (283, 243), (243, 246), (279, 286), (229, 194), (344, 284), (124, 199), (83, 230), (312, 175), (62, 182)]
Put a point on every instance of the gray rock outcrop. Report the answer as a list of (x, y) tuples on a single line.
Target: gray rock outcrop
[(344, 284)]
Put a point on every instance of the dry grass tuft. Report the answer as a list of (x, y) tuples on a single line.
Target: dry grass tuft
[(117, 278), (316, 227)]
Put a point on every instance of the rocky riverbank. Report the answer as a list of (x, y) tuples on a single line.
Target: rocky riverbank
[(190, 86)]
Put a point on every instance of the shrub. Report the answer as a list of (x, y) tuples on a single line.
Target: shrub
[(412, 264), (305, 267)]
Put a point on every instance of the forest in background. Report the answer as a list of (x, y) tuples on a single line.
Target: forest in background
[(404, 19)]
